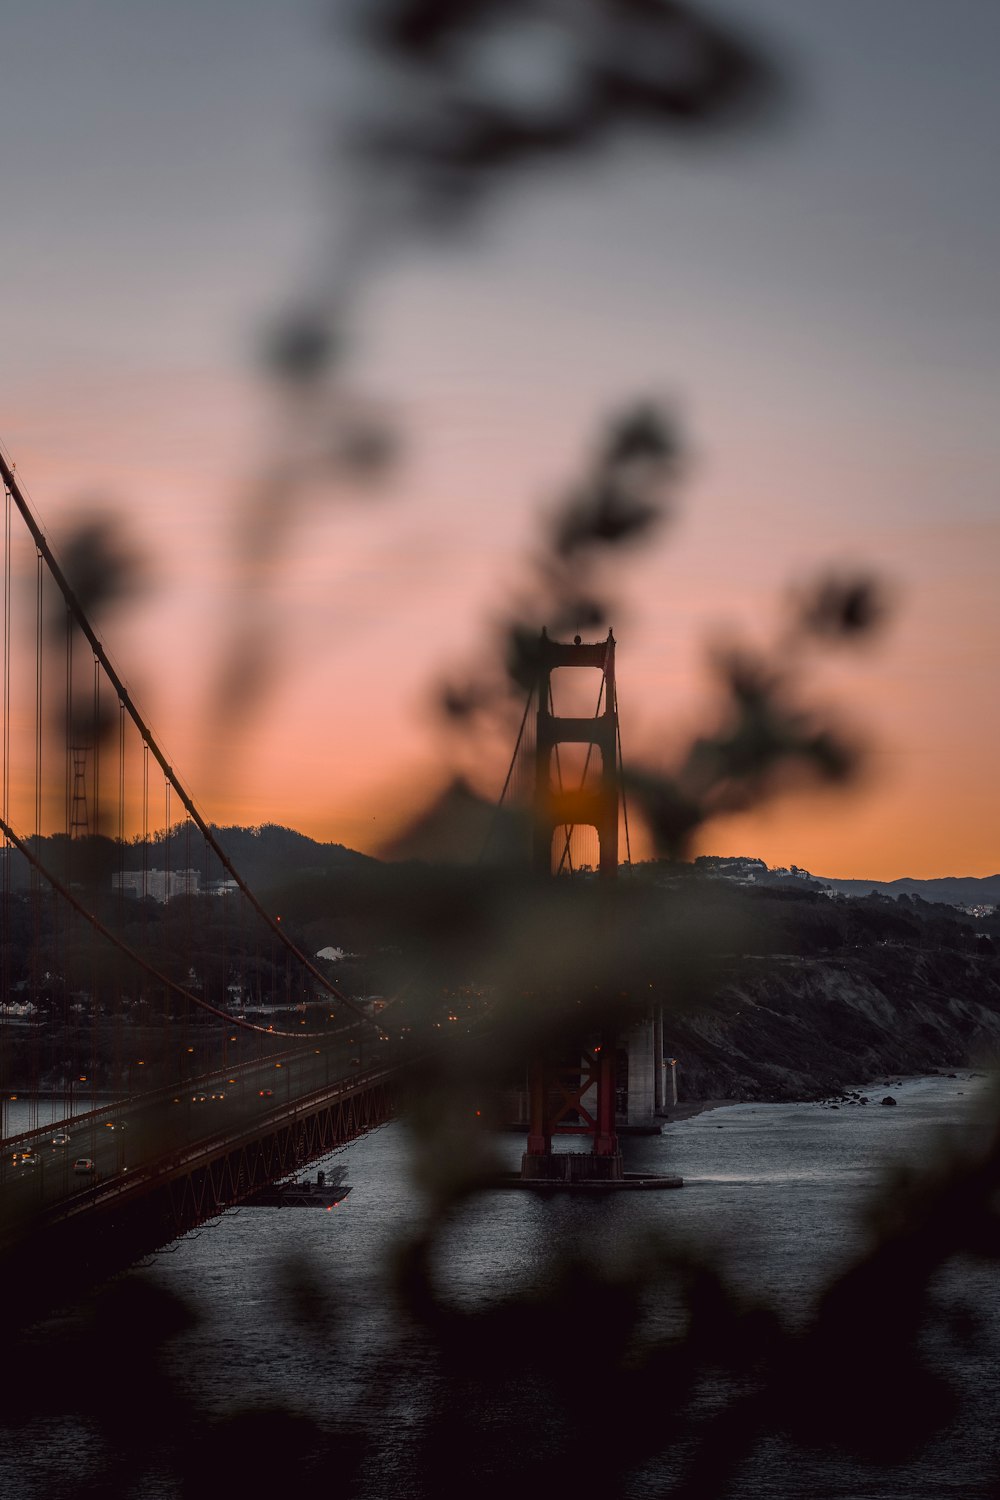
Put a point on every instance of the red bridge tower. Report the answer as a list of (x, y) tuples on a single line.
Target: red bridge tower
[(574, 1093)]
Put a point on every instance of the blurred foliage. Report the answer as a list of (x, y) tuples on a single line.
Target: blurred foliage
[(466, 93), (504, 1405)]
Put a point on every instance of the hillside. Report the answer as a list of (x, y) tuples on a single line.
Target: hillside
[(791, 1027), (953, 890), (796, 994), (270, 855), (810, 994), (266, 857), (949, 890)]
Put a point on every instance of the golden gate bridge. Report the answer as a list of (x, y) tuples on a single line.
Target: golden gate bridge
[(191, 1052)]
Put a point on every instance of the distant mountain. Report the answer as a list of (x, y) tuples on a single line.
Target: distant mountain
[(948, 890), (265, 857), (952, 890), (271, 855)]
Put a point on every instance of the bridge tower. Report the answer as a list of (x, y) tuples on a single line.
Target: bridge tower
[(574, 1093), (79, 821), (555, 806)]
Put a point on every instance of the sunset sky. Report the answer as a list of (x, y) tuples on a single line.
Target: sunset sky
[(816, 302)]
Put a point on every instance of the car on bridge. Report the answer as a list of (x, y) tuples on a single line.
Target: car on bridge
[(84, 1167), (60, 1138), (26, 1158)]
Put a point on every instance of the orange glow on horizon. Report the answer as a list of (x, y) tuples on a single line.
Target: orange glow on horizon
[(810, 305), (343, 748)]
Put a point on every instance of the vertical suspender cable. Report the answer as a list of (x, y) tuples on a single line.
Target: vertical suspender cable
[(6, 665), (621, 782), (101, 995), (60, 967), (144, 917), (514, 763), (95, 740), (120, 855), (39, 640), (68, 720), (37, 894), (121, 814), (76, 609), (5, 897)]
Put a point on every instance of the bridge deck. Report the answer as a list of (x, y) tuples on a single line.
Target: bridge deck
[(167, 1163)]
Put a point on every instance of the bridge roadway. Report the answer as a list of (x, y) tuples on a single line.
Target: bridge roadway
[(136, 1140)]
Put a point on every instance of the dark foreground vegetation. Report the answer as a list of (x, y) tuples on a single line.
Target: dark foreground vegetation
[(768, 995), (771, 993)]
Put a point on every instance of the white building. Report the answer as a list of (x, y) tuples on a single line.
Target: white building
[(162, 885)]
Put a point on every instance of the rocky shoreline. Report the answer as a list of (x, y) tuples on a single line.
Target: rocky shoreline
[(790, 1027), (877, 1093)]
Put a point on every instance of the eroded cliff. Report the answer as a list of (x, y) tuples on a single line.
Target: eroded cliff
[(792, 1026)]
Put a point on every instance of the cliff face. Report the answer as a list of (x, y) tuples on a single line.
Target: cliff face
[(794, 1027)]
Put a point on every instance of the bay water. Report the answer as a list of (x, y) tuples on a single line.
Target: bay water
[(778, 1191)]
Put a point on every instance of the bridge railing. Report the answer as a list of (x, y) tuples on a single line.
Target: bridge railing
[(137, 1181)]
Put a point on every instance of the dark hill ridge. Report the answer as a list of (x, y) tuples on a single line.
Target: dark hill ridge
[(265, 857), (798, 994), (948, 890), (953, 890), (270, 855)]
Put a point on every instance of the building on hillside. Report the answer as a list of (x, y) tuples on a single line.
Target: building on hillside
[(161, 885)]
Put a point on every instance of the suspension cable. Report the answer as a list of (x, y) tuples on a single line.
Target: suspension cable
[(124, 697), (621, 781), (61, 889), (39, 684), (510, 771), (6, 649)]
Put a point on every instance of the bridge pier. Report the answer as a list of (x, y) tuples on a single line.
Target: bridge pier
[(643, 1093), (659, 1078), (571, 1167)]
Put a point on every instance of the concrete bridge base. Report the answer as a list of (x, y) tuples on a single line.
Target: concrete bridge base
[(637, 1092), (645, 1082), (571, 1166), (627, 1182)]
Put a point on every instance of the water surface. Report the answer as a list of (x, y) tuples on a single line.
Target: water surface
[(777, 1190)]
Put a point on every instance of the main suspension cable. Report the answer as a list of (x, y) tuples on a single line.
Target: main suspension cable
[(124, 697), (177, 989)]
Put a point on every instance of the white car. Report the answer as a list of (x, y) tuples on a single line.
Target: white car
[(60, 1138), (84, 1166)]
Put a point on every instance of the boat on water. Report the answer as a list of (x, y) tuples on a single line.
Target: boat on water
[(328, 1190)]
